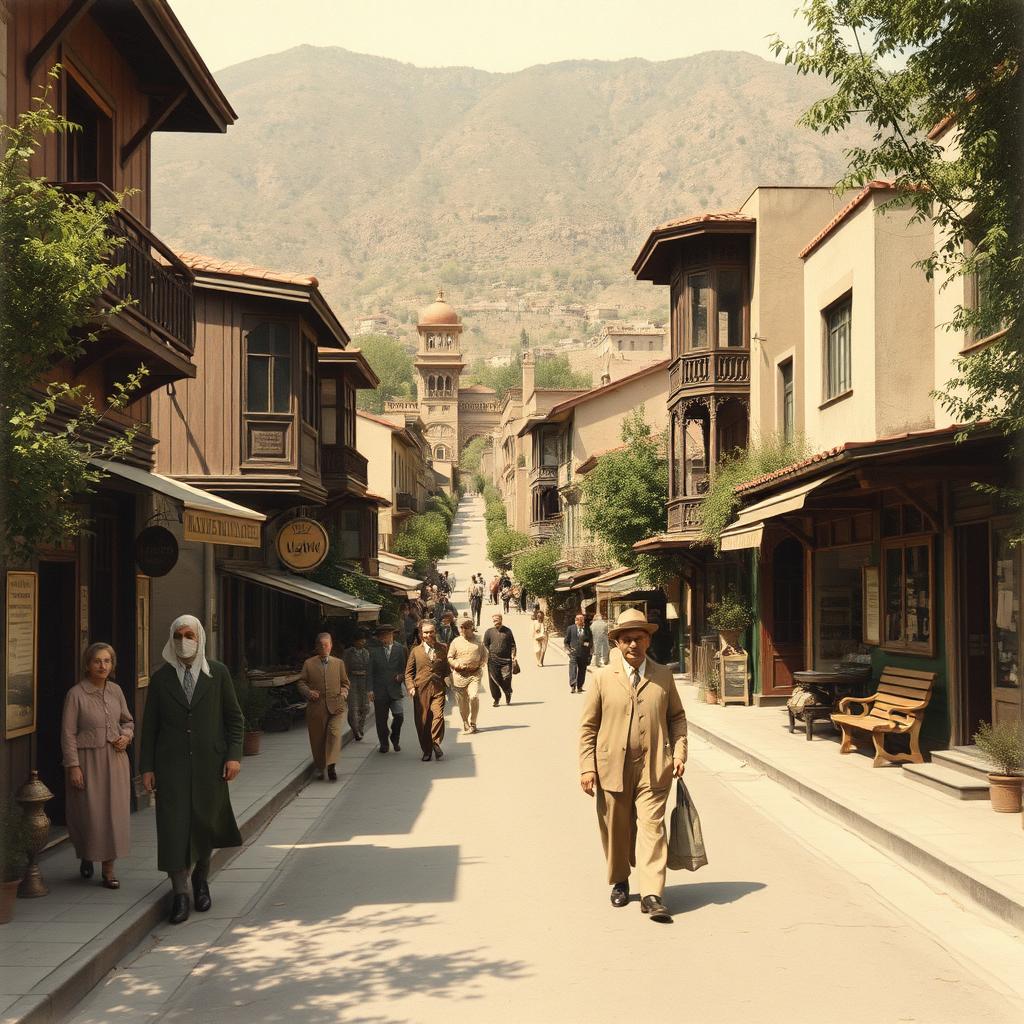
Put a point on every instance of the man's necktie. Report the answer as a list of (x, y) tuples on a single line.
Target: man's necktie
[(188, 683), (635, 677)]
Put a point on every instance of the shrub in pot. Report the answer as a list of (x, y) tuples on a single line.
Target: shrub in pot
[(730, 617), (1002, 746), (14, 850), (255, 705)]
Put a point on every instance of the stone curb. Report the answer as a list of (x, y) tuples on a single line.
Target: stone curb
[(958, 879), (68, 984)]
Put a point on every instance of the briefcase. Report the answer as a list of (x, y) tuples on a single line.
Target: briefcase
[(686, 839)]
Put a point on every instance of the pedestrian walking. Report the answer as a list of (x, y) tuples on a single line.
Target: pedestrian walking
[(410, 627), (446, 629), (495, 589), (426, 673), (191, 750), (387, 686), (467, 657), (476, 599), (506, 597), (539, 632), (501, 657), (579, 646), (599, 631), (96, 728), (324, 684), (523, 596), (357, 665), (630, 750)]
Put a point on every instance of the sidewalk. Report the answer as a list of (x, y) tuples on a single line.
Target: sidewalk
[(58, 947), (964, 846)]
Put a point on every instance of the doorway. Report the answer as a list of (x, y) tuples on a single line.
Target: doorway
[(784, 617), (58, 672), (975, 625)]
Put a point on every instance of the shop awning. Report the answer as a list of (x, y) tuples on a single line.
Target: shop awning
[(621, 584), (746, 532), (330, 600), (396, 581), (205, 517)]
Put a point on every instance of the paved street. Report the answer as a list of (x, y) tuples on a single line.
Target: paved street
[(472, 890)]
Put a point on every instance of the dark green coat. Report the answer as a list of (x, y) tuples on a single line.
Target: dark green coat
[(186, 747)]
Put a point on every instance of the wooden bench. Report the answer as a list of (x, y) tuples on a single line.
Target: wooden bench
[(896, 708)]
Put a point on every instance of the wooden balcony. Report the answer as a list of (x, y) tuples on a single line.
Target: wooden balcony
[(682, 515), (159, 317), (342, 468), (725, 369), (544, 475), (543, 529), (584, 556), (406, 502)]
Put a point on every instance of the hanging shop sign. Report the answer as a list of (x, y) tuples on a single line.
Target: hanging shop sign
[(21, 669), (302, 544), (156, 551), (218, 528)]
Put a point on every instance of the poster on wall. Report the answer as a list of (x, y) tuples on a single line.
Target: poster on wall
[(872, 606), (20, 668)]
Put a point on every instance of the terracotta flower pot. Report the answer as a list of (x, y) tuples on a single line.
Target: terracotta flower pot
[(710, 697), (251, 743), (1005, 793), (8, 894)]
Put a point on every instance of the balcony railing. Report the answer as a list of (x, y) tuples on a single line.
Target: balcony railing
[(156, 283), (406, 502), (682, 515), (544, 475), (338, 461), (700, 370), (584, 556), (542, 529)]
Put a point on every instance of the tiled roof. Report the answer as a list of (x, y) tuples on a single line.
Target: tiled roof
[(207, 264), (377, 419), (591, 461), (607, 389), (792, 469), (705, 218), (870, 188)]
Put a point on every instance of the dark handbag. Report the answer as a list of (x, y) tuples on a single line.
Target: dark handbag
[(515, 667), (686, 839)]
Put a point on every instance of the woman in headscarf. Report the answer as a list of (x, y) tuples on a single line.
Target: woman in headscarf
[(191, 750), (95, 732)]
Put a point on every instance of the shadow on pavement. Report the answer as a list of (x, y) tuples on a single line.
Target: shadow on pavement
[(683, 898)]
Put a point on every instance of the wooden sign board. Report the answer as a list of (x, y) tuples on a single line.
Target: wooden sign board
[(216, 528), (872, 611), (733, 688), (20, 666)]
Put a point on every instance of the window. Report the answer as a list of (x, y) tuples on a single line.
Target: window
[(349, 416), (699, 286), (308, 404), (269, 368), (715, 309), (89, 152), (350, 535), (329, 411), (788, 410), (730, 309), (551, 449), (908, 576), (838, 378), (441, 452)]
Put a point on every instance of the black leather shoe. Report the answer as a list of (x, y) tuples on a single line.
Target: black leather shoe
[(438, 753), (85, 869), (396, 746), (657, 910), (357, 736), (496, 703), (620, 894), (383, 748), (332, 773), (426, 757), (201, 895), (179, 908)]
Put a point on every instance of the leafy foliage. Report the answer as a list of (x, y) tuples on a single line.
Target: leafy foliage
[(625, 494), (554, 372), (905, 67), (503, 543), (336, 572), (393, 365), (731, 612), (1002, 745), (536, 569), (766, 455), (423, 538), (469, 458), (55, 253)]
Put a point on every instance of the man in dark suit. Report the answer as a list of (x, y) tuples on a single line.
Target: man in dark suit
[(425, 675), (386, 676), (579, 646)]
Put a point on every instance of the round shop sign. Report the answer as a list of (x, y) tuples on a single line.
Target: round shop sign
[(302, 544), (156, 551)]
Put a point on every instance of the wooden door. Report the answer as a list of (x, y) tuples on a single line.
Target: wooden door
[(782, 616), (975, 622)]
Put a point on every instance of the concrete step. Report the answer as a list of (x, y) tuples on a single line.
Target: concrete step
[(951, 781), (960, 760)]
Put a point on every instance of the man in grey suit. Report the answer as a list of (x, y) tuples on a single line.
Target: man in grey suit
[(386, 676)]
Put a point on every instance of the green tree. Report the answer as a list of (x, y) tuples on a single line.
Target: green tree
[(470, 456), (625, 494), (393, 365), (537, 569), (904, 67), (55, 264), (502, 543), (556, 373)]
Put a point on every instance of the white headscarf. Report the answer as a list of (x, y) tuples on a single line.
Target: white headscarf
[(200, 659)]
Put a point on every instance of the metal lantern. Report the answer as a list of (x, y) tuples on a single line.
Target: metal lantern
[(32, 796)]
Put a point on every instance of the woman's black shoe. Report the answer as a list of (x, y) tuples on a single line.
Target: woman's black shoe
[(85, 869), (201, 895), (179, 908)]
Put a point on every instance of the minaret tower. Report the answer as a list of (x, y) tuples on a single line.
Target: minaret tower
[(438, 368)]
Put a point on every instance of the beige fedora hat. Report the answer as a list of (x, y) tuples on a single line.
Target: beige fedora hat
[(631, 618)]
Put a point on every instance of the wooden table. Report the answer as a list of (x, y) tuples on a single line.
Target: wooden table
[(833, 686)]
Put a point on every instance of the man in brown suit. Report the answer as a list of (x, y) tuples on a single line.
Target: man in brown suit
[(425, 675), (324, 683), (632, 744)]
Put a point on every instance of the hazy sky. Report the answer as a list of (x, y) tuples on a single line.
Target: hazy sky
[(496, 35)]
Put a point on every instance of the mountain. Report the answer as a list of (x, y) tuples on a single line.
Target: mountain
[(538, 187)]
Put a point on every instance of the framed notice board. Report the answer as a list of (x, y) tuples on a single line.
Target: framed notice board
[(734, 677), (20, 668)]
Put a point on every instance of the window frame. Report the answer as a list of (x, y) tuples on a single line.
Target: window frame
[(903, 543), (309, 384), (271, 357), (827, 393), (787, 399), (713, 270)]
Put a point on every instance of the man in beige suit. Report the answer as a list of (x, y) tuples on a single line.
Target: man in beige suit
[(632, 744), (425, 675), (324, 683)]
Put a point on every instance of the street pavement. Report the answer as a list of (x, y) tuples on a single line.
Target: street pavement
[(473, 890)]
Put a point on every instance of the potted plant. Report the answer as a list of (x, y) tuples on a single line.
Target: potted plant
[(255, 704), (1003, 747), (711, 689), (730, 617), (14, 850)]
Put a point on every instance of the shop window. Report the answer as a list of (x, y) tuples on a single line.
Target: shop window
[(835, 532), (329, 411), (909, 595), (901, 518), (269, 368), (1006, 599), (838, 604), (838, 375)]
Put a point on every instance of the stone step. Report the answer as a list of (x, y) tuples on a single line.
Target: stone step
[(951, 781), (960, 760)]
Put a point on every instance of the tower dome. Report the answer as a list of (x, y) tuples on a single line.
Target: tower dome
[(439, 314)]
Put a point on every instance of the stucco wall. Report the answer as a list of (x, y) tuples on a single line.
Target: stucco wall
[(597, 424)]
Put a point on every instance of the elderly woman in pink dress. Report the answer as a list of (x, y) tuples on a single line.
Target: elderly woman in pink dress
[(97, 728)]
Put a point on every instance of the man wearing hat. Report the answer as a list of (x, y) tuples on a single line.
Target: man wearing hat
[(324, 684), (446, 630), (425, 673), (357, 665), (386, 678), (467, 658), (632, 744)]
